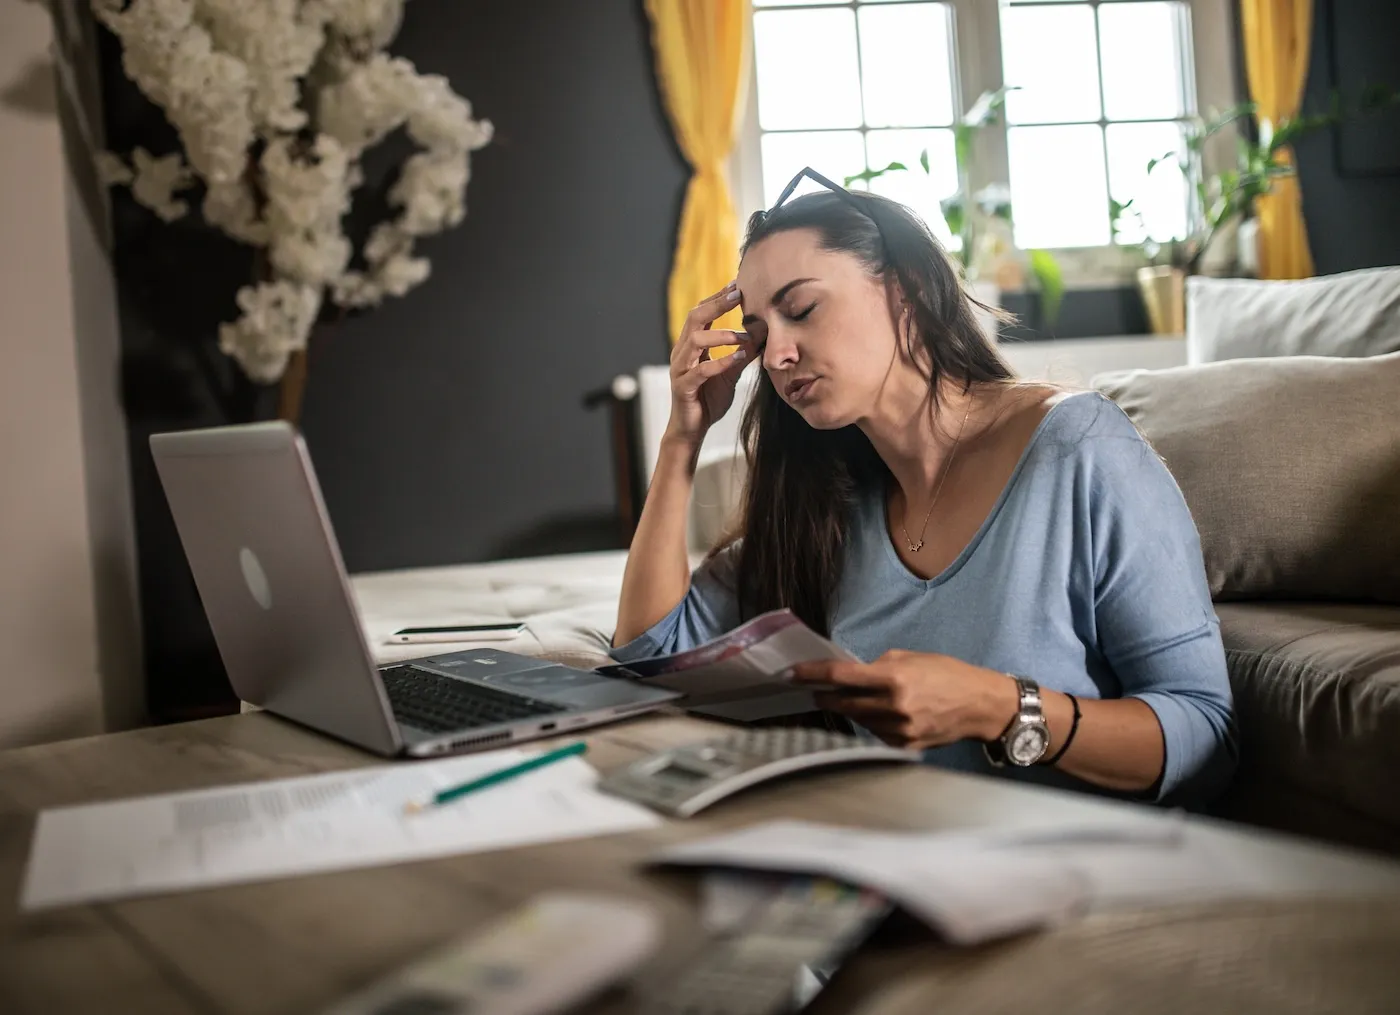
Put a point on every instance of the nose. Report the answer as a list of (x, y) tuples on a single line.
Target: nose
[(780, 350)]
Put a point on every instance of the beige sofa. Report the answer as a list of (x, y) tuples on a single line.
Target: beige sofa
[(1291, 467)]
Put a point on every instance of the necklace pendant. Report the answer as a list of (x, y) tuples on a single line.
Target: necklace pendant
[(916, 547)]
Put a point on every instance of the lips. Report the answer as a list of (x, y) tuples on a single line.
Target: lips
[(797, 389)]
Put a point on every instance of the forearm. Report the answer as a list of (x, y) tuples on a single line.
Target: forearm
[(1118, 744), (657, 575)]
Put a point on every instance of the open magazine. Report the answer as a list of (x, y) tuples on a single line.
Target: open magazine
[(755, 660)]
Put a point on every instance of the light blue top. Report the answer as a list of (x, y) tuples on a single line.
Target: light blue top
[(1087, 576)]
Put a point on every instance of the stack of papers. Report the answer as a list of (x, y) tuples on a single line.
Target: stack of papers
[(973, 886), (308, 825)]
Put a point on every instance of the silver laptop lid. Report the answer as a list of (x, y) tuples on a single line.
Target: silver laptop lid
[(258, 539)]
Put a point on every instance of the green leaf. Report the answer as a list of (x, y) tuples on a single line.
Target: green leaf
[(954, 215), (872, 174), (987, 107), (923, 159), (1051, 281)]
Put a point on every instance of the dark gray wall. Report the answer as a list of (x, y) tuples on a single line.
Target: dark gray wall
[(448, 426), (1351, 176)]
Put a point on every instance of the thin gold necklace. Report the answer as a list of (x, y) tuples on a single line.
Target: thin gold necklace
[(947, 466)]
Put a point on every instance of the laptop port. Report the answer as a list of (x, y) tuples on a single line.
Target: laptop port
[(547, 727)]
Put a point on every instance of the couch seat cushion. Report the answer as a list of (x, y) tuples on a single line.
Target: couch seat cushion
[(1317, 695)]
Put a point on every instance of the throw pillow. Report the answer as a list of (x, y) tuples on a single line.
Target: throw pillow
[(1356, 313), (1290, 465)]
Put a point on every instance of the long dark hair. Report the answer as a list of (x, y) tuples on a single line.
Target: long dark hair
[(802, 481)]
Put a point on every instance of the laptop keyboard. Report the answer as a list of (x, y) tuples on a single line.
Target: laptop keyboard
[(440, 704)]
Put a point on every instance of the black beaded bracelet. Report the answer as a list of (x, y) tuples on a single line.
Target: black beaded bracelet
[(1073, 728)]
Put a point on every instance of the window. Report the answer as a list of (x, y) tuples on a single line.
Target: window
[(1100, 88), (844, 87)]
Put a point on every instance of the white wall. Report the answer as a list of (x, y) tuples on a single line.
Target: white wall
[(49, 685)]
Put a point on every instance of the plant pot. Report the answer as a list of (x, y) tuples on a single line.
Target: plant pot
[(1247, 241), (1164, 295)]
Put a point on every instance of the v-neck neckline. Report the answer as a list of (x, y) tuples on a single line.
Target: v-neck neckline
[(967, 551)]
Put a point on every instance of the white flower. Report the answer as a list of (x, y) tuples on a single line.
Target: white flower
[(155, 181), (400, 273), (307, 194), (205, 94), (112, 169), (432, 191), (230, 74), (393, 270), (360, 27), (441, 119), (233, 208), (372, 99), (277, 318), (277, 40)]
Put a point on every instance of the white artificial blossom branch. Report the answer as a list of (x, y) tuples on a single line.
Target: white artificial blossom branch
[(275, 102)]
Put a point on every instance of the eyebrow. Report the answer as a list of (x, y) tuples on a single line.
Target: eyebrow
[(778, 296)]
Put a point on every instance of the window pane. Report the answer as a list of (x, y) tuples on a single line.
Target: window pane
[(1159, 198), (1141, 46), (1058, 193), (807, 70), (1050, 53), (913, 188), (836, 154), (906, 65)]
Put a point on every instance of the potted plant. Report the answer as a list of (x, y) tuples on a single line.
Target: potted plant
[(982, 220), (1225, 198), (274, 107)]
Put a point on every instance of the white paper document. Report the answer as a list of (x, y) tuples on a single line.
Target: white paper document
[(306, 825), (982, 884)]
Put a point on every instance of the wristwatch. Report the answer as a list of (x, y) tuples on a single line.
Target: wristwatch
[(1026, 739)]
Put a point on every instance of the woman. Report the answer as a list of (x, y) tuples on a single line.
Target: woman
[(1015, 560)]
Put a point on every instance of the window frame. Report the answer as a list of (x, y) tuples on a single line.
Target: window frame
[(1210, 79)]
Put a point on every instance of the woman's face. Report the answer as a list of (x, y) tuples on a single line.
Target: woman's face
[(823, 324)]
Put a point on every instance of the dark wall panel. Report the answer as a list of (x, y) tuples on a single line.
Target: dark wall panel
[(1350, 176), (449, 426)]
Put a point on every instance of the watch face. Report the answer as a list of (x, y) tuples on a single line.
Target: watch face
[(1028, 744)]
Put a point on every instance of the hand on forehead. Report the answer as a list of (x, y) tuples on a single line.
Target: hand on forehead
[(771, 266)]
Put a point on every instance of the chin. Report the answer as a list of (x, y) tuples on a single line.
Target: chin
[(823, 417)]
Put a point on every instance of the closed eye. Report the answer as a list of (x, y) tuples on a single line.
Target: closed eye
[(802, 314)]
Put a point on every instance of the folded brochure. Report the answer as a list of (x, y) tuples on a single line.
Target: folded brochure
[(755, 659)]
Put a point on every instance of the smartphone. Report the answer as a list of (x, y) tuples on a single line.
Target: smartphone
[(456, 633)]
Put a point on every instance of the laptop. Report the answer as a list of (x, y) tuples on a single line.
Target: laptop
[(255, 531)]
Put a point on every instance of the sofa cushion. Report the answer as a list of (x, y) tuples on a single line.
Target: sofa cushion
[(1291, 468), (1317, 699), (1356, 313)]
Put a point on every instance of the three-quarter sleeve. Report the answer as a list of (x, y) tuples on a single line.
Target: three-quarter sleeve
[(1154, 619), (709, 609)]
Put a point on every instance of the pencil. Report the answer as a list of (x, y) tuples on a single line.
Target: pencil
[(493, 778)]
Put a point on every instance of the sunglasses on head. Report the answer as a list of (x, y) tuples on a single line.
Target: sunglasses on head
[(808, 172)]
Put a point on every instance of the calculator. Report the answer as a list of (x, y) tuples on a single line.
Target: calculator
[(783, 956), (680, 781)]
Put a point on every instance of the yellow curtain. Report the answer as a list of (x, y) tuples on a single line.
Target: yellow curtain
[(702, 52), (1276, 37)]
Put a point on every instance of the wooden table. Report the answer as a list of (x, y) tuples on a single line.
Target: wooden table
[(292, 946)]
